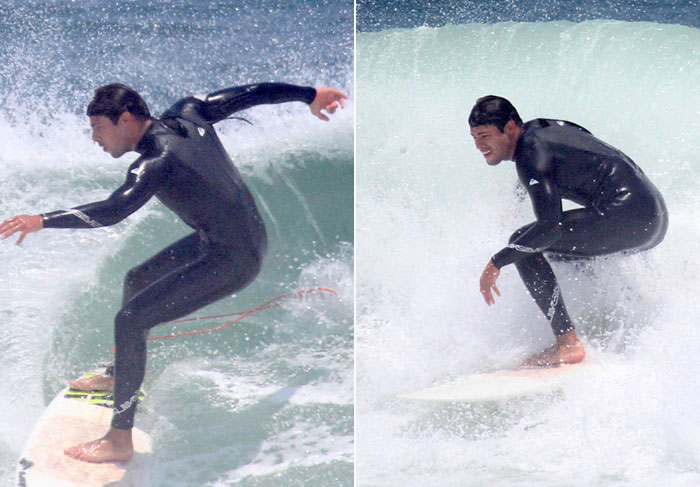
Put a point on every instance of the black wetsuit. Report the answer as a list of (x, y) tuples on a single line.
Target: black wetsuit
[(622, 210), (185, 166)]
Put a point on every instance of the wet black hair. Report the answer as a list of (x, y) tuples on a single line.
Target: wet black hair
[(493, 110), (114, 99)]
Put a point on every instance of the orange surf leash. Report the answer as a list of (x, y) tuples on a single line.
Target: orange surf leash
[(240, 314)]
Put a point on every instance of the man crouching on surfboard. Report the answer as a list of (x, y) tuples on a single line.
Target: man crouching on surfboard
[(183, 164), (622, 210)]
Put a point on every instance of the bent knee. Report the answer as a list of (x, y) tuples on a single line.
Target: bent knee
[(136, 277), (130, 323)]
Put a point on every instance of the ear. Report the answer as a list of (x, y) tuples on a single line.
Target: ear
[(510, 128), (125, 118)]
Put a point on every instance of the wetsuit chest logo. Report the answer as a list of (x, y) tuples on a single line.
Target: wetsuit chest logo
[(534, 181), (201, 131)]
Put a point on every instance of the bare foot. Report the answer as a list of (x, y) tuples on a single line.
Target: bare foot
[(568, 350), (98, 382), (115, 446)]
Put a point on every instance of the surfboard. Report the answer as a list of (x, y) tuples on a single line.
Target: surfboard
[(503, 385), (74, 417)]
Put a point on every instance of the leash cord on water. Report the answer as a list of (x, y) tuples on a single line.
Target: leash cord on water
[(241, 315)]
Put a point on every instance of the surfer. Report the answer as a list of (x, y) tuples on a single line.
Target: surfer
[(621, 210), (184, 165)]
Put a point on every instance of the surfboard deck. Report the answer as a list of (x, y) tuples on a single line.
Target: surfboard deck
[(72, 418), (502, 385)]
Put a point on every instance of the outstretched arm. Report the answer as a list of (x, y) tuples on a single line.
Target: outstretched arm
[(140, 185), (222, 104)]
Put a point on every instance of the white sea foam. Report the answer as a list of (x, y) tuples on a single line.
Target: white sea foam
[(61, 288), (430, 213)]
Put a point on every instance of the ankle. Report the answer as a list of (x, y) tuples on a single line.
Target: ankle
[(119, 437), (569, 339)]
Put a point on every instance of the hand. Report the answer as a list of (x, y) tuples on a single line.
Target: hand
[(488, 282), (21, 223), (327, 99)]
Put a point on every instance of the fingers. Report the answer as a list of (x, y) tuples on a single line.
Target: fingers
[(488, 296), (319, 114), (6, 224), (332, 95), (20, 223), (487, 282), (331, 108), (21, 237), (327, 99), (337, 100), (9, 227)]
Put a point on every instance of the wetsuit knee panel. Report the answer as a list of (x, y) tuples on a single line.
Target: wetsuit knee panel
[(132, 323), (133, 281)]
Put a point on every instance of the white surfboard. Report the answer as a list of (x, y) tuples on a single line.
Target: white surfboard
[(70, 419), (503, 384)]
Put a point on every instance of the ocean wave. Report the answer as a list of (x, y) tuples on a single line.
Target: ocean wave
[(430, 213)]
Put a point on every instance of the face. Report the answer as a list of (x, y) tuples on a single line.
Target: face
[(496, 146), (112, 138)]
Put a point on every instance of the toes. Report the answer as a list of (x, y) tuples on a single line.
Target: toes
[(71, 453)]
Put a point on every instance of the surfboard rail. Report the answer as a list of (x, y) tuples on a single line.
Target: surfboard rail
[(501, 385)]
